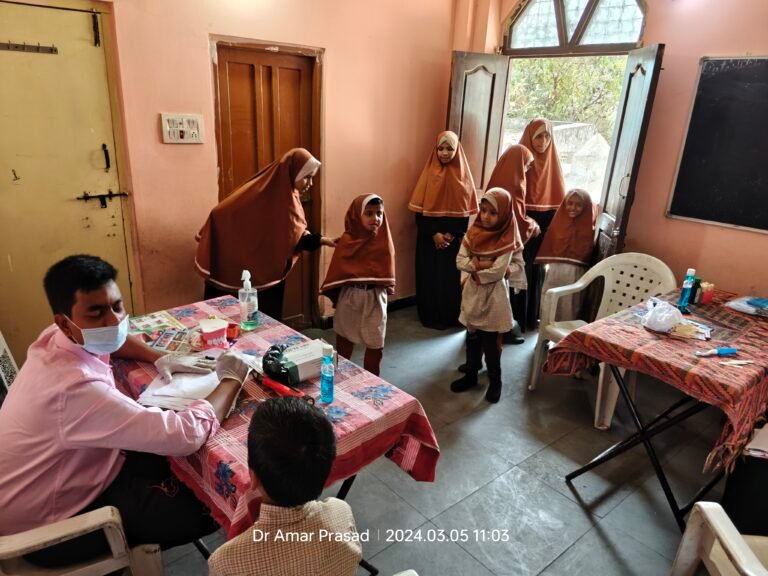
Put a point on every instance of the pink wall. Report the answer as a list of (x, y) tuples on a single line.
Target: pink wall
[(385, 91), (690, 29), (733, 259)]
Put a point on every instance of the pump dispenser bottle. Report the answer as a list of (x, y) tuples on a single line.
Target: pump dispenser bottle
[(249, 304)]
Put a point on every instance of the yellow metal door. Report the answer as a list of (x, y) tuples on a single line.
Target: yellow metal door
[(55, 134)]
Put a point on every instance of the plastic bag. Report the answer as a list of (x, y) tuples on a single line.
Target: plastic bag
[(661, 316)]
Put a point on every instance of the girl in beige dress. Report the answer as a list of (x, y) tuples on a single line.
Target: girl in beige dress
[(491, 246)]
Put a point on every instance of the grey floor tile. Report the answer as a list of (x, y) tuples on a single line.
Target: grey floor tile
[(645, 514), (600, 489), (539, 523), (515, 427), (177, 552), (187, 565), (608, 551), (427, 557), (377, 508), (465, 465)]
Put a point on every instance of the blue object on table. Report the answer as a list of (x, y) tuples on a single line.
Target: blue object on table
[(326, 375), (685, 293)]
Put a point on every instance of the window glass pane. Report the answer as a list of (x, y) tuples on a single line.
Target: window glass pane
[(614, 21), (536, 26), (573, 11)]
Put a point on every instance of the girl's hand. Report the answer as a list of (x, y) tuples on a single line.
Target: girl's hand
[(475, 277), (449, 237), (536, 229)]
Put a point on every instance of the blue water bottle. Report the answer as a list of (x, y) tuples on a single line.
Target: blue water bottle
[(326, 375), (685, 293)]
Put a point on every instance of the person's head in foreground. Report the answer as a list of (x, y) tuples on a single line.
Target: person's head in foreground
[(86, 302), (291, 448)]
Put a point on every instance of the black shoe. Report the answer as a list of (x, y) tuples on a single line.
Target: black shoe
[(511, 338), (462, 368), (464, 383), (493, 394)]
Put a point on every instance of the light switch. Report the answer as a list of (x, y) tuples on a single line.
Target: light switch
[(182, 128)]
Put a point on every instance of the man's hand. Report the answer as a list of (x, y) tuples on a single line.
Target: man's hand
[(330, 242), (233, 366), (442, 241), (170, 363)]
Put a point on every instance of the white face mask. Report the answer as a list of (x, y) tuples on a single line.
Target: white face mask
[(106, 340)]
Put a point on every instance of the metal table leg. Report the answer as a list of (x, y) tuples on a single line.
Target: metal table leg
[(643, 435)]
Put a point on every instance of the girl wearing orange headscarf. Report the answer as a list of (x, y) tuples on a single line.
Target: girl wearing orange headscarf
[(567, 248), (545, 191), (444, 198), (361, 274), (491, 247), (260, 227)]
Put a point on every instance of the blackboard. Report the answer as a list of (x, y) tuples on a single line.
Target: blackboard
[(722, 176)]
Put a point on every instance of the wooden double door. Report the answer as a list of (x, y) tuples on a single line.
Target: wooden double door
[(268, 103)]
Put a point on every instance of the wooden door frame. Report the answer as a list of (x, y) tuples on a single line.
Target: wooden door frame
[(116, 106), (315, 220)]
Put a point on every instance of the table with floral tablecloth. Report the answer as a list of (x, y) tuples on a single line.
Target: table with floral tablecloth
[(371, 418)]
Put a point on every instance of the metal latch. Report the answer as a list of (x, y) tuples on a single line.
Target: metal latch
[(101, 197)]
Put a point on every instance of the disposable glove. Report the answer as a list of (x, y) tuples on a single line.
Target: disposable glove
[(171, 363), (232, 365)]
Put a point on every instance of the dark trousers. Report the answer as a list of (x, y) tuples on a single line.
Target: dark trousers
[(525, 304), (270, 300), (155, 507)]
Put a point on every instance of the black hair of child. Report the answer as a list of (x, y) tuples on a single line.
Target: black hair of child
[(291, 448), (78, 272), (375, 202)]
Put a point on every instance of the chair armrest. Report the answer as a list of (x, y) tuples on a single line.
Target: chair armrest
[(106, 519), (731, 541), (551, 296)]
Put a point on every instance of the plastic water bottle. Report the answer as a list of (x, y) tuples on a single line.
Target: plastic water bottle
[(326, 375), (685, 294)]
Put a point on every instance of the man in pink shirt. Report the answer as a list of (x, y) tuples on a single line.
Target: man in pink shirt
[(70, 441)]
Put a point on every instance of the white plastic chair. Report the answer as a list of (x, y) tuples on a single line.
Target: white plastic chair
[(630, 278), (711, 537), (144, 560)]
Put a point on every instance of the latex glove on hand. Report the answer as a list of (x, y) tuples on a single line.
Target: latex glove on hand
[(232, 365), (170, 363)]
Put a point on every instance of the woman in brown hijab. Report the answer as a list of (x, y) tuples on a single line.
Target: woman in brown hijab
[(545, 191), (443, 199), (260, 227)]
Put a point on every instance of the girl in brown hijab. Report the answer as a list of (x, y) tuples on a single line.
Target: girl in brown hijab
[(491, 247), (444, 198), (361, 274), (260, 227), (545, 190), (567, 248)]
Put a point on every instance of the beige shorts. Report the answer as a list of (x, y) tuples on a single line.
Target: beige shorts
[(361, 315)]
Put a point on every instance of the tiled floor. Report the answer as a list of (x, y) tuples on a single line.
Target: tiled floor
[(502, 467)]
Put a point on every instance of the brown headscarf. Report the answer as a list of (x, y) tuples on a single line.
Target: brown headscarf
[(546, 187), (503, 237), (445, 189), (360, 257), (570, 240), (257, 227), (509, 174)]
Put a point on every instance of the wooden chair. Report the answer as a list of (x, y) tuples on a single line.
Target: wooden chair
[(144, 560), (710, 537), (630, 278)]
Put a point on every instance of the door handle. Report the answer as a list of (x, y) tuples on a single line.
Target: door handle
[(107, 163)]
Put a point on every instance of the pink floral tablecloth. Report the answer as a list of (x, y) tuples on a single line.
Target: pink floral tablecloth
[(371, 418)]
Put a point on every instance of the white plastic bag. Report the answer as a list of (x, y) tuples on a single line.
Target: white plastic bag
[(661, 316)]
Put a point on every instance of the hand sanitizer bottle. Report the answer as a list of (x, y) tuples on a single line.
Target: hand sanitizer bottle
[(326, 375), (685, 293), (249, 303)]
